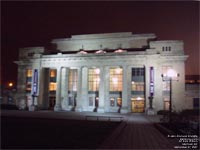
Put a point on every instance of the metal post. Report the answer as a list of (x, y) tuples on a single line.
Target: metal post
[(170, 98)]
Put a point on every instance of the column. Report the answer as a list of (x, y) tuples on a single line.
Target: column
[(21, 87), (79, 92), (57, 106), (84, 90), (43, 97), (124, 108), (102, 82), (106, 89), (64, 88)]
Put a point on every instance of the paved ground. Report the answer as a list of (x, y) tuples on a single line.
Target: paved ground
[(135, 132)]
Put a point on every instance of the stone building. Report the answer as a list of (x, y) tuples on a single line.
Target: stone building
[(111, 72)]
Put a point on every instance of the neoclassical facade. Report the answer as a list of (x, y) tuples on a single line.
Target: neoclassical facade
[(111, 72)]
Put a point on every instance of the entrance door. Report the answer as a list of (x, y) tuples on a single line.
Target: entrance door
[(137, 106), (52, 101)]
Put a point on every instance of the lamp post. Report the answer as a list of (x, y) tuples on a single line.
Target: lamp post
[(170, 76)]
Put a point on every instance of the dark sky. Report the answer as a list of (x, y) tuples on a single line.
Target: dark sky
[(25, 24)]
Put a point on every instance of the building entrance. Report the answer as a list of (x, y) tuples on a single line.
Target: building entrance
[(52, 101), (137, 106)]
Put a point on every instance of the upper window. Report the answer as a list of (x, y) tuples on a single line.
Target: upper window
[(93, 79), (28, 80), (73, 80), (137, 71), (52, 83), (116, 75), (166, 48)]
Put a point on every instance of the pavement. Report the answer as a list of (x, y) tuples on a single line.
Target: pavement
[(137, 131)]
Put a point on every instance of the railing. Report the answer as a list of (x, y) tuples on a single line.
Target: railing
[(104, 118)]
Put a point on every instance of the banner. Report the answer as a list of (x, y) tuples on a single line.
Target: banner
[(151, 81), (35, 82)]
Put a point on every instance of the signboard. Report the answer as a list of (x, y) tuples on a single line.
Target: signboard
[(151, 81)]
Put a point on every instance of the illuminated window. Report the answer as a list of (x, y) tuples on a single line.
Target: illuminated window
[(137, 86), (73, 80), (116, 75), (119, 102), (28, 80), (93, 79), (53, 73), (52, 86), (137, 98), (52, 83)]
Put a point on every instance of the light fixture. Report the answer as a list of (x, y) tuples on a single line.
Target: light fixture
[(170, 76), (10, 84)]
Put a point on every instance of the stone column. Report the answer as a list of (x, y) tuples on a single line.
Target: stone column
[(100, 109), (106, 89), (124, 108), (64, 88), (21, 87), (43, 97), (84, 90), (57, 106), (79, 92)]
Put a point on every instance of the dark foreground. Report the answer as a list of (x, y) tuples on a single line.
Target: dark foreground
[(38, 133)]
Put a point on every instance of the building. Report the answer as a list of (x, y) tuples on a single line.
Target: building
[(192, 91), (111, 72)]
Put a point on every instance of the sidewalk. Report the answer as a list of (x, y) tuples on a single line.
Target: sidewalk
[(137, 132)]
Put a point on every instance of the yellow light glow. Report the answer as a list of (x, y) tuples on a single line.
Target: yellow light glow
[(10, 84)]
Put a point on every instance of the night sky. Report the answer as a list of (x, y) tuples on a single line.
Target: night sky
[(26, 24)]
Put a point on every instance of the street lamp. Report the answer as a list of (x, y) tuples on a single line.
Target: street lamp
[(170, 76)]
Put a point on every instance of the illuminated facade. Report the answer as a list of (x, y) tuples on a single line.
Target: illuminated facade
[(113, 72)]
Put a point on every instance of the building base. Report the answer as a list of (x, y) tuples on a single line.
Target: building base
[(31, 108), (124, 110), (57, 108), (78, 109), (150, 111), (100, 110)]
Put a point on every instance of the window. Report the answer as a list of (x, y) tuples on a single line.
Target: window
[(28, 80), (119, 102), (73, 80), (70, 102), (52, 83), (112, 101), (166, 103), (116, 75), (166, 48), (93, 79), (91, 101), (137, 71), (137, 81), (137, 86)]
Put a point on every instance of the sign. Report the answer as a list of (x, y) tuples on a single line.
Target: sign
[(35, 82), (151, 92)]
